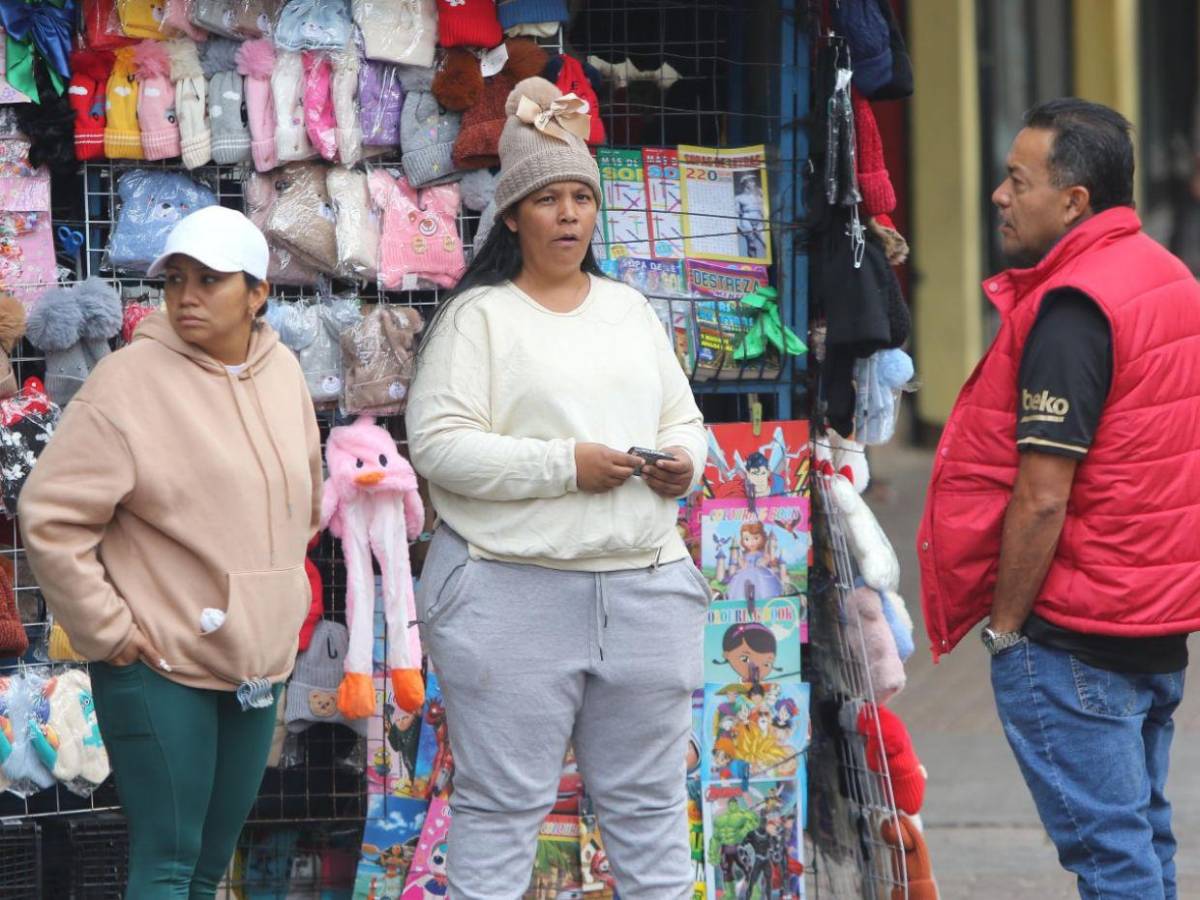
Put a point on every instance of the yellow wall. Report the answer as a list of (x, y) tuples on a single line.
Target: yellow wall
[(945, 215)]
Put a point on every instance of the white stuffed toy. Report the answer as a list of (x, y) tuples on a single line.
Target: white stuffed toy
[(834, 454), (870, 547)]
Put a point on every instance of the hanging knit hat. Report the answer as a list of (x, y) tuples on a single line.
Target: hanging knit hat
[(874, 182), (889, 739), (573, 77), (348, 134), (122, 139), (301, 218), (381, 103), (287, 88), (404, 33), (312, 692), (156, 101), (468, 23), (313, 25), (478, 143), (427, 132), (13, 641), (286, 267), (319, 121), (89, 81), (72, 326), (226, 110), (531, 12), (419, 241), (175, 21), (12, 329), (191, 109), (256, 60), (141, 18), (357, 224), (543, 142), (378, 359)]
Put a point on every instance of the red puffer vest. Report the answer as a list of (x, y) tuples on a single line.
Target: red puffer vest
[(1128, 561)]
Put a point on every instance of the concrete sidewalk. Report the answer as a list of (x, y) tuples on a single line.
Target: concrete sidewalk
[(983, 832)]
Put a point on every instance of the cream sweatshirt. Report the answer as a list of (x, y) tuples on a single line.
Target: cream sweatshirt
[(173, 485), (504, 390)]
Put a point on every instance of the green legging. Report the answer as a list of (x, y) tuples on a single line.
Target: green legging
[(188, 765)]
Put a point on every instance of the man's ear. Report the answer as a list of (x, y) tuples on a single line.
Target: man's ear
[(1078, 205)]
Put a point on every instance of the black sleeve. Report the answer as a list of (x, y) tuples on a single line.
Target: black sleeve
[(1066, 371)]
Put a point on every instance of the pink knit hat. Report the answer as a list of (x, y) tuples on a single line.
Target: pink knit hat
[(156, 101), (255, 60), (319, 120), (419, 237), (468, 23)]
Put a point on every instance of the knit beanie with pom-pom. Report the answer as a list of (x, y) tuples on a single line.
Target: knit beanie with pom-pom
[(89, 79), (256, 60), (468, 23), (226, 108), (191, 108), (122, 139), (156, 101), (478, 144), (874, 182), (381, 102), (573, 77), (532, 157)]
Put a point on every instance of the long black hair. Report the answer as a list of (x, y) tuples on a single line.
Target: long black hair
[(497, 261)]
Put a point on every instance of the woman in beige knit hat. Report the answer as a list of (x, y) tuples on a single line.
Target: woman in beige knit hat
[(558, 603)]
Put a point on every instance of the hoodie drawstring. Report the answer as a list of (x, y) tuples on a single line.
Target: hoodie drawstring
[(261, 465), (262, 417)]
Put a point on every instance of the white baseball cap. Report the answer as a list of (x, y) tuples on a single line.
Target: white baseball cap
[(222, 239)]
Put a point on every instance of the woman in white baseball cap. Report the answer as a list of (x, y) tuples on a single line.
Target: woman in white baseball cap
[(166, 523)]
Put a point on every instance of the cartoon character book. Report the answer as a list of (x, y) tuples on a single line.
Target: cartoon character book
[(389, 843), (755, 732), (771, 463), (598, 880), (756, 552), (754, 840), (740, 647), (427, 875), (557, 867)]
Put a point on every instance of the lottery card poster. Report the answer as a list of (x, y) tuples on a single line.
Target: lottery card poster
[(722, 322), (754, 839), (726, 208), (771, 460), (626, 221), (665, 202), (756, 550), (755, 732)]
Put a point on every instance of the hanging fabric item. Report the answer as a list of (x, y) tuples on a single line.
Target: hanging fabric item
[(37, 31), (256, 60), (89, 79), (156, 101), (122, 137), (191, 91), (348, 133), (399, 31), (841, 181)]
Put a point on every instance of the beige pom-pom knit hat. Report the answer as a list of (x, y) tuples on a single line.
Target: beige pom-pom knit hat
[(544, 141)]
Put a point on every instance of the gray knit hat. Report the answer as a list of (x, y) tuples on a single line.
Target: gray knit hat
[(542, 143), (312, 693), (427, 131)]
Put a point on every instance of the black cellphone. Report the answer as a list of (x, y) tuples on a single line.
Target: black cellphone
[(650, 457)]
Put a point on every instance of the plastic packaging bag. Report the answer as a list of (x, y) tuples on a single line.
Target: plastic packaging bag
[(377, 361), (302, 218), (381, 104), (313, 332), (238, 19), (152, 201), (26, 754), (313, 25), (177, 20), (357, 225), (286, 268), (102, 26), (398, 31), (141, 18)]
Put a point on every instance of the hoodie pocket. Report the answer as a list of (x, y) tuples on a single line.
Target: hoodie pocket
[(261, 631)]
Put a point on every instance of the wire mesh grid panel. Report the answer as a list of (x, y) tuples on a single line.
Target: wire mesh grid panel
[(850, 803)]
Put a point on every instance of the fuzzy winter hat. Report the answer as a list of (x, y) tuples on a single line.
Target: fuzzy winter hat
[(260, 195), (864, 610), (175, 21), (319, 121), (543, 142), (89, 79), (156, 101), (468, 23), (81, 755), (191, 108), (874, 182), (13, 641), (302, 218), (72, 325), (531, 12), (357, 225), (419, 240), (312, 692), (287, 89), (12, 329), (218, 55), (312, 332), (256, 60), (427, 132), (377, 360)]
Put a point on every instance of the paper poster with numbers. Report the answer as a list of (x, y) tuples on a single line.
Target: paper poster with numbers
[(665, 202), (726, 206), (623, 182)]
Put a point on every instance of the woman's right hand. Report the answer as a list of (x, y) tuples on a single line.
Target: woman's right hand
[(139, 647), (599, 468)]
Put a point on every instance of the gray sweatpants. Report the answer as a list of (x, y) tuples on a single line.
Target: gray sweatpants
[(530, 659)]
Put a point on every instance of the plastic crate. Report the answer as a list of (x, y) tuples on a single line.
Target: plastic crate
[(21, 861), (86, 857)]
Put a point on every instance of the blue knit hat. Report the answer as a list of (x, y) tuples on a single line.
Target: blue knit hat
[(526, 12)]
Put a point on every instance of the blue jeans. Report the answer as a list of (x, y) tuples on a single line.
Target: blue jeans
[(1093, 747)]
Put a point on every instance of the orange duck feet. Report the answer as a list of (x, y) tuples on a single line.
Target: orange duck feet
[(408, 689), (356, 696)]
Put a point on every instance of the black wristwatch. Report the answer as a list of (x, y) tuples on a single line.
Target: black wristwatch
[(999, 641)]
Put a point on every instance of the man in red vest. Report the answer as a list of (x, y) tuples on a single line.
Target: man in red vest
[(1065, 499)]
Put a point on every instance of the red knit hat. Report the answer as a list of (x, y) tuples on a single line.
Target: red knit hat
[(874, 182), (316, 608), (908, 777), (468, 23), (573, 79), (86, 94), (478, 144), (13, 641)]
